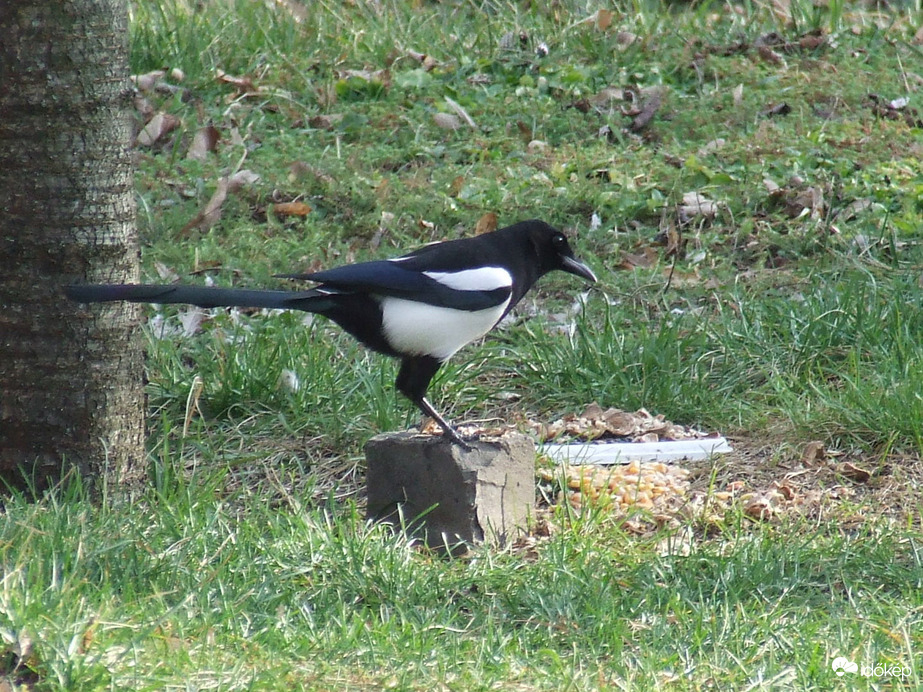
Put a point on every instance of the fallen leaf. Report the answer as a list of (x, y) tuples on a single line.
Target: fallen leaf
[(381, 77), (712, 146), (648, 257), (606, 96), (297, 10), (811, 41), (158, 126), (165, 273), (461, 112), (603, 19), (300, 169), (446, 121), (244, 85), (211, 213), (290, 209), (456, 186), (625, 38), (738, 95), (853, 472), (486, 224), (770, 56), (696, 204), (148, 80), (204, 141), (427, 61), (772, 187), (649, 108), (759, 508), (325, 122), (778, 109), (243, 177), (813, 452)]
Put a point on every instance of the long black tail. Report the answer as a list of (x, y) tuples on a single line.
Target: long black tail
[(309, 301)]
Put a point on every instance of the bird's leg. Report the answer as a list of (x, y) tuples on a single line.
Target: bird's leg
[(413, 379), (447, 429)]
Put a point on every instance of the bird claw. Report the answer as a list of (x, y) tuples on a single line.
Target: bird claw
[(455, 438)]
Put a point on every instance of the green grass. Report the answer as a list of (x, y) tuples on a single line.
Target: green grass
[(246, 563), (234, 593)]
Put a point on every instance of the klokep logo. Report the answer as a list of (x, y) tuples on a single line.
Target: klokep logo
[(842, 665)]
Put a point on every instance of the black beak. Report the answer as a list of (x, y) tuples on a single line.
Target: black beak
[(573, 266)]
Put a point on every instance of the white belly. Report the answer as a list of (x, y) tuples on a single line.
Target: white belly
[(421, 329)]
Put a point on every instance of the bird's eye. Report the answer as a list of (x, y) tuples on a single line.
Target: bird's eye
[(559, 240)]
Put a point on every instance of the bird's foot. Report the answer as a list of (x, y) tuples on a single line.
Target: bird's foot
[(448, 432), (453, 437)]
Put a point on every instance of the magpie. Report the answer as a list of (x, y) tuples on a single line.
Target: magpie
[(420, 308)]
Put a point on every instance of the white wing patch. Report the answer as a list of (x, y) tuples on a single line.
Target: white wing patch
[(480, 279), (422, 329)]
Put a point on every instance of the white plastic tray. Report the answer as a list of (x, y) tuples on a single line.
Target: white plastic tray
[(624, 452)]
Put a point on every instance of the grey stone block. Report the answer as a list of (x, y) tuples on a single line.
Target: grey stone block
[(445, 494)]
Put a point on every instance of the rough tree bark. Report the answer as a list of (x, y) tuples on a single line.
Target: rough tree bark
[(71, 379)]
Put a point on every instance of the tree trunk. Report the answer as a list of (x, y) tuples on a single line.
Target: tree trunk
[(71, 379)]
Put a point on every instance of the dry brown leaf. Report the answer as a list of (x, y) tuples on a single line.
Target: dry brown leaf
[(811, 41), (326, 121), (649, 108), (647, 258), (165, 273), (777, 109), (456, 186), (625, 38), (712, 146), (427, 61), (696, 204), (808, 201), (853, 472), (759, 508), (300, 169), (738, 95), (770, 56), (148, 80), (204, 141), (486, 224), (244, 85), (606, 97), (290, 209), (461, 112), (600, 19), (158, 126), (447, 121), (241, 178), (382, 76), (211, 213), (297, 10), (604, 19), (813, 452)]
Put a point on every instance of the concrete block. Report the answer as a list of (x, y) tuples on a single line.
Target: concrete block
[(446, 494)]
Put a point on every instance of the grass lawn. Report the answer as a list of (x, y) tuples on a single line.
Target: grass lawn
[(746, 179)]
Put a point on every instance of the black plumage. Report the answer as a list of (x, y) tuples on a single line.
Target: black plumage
[(421, 307)]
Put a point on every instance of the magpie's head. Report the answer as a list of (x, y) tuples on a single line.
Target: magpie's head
[(554, 252)]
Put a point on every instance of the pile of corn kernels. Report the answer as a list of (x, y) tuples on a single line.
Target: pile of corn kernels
[(653, 486)]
